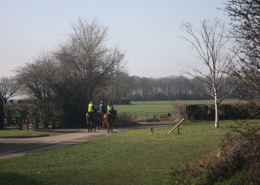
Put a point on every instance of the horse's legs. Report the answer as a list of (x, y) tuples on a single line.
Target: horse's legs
[(100, 125), (88, 125)]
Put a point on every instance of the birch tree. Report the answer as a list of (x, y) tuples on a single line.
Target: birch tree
[(210, 43)]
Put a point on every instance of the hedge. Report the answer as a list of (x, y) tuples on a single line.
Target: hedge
[(227, 111)]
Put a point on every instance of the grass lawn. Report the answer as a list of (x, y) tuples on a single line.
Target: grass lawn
[(129, 157), (23, 133), (160, 106)]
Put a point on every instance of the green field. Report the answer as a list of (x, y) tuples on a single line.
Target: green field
[(160, 106), (129, 157)]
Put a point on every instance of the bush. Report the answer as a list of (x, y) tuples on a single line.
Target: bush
[(238, 155), (227, 111)]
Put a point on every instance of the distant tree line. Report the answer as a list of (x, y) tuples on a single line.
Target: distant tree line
[(171, 88)]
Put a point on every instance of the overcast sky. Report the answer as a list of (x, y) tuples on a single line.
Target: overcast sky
[(147, 30)]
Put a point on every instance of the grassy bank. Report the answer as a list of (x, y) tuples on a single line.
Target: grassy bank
[(129, 157)]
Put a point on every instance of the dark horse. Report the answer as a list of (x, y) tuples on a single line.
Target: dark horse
[(91, 117), (100, 116), (109, 122)]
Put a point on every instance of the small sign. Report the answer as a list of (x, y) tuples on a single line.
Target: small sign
[(164, 117)]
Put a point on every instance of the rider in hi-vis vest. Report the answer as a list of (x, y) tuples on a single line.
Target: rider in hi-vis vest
[(90, 107), (110, 109)]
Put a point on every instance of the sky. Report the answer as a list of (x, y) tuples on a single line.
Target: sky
[(147, 30)]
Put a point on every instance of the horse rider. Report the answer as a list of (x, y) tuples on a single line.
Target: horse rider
[(110, 109), (102, 107), (91, 109)]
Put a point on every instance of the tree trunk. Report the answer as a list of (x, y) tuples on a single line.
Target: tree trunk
[(216, 113)]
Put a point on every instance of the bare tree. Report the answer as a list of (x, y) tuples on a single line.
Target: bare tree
[(246, 25), (8, 87), (36, 80), (89, 57), (75, 73), (210, 42)]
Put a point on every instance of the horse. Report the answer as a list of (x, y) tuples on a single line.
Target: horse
[(109, 122), (91, 117), (100, 116)]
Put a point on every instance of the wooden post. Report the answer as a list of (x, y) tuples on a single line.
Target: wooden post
[(53, 122), (8, 118), (20, 123), (27, 124), (36, 123), (17, 121), (176, 126)]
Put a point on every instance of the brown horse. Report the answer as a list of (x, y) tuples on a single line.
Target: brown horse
[(91, 117), (100, 116), (109, 122)]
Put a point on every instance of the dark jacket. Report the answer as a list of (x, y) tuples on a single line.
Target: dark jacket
[(102, 108)]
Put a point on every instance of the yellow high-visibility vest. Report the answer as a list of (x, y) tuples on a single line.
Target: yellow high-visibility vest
[(91, 107), (110, 108)]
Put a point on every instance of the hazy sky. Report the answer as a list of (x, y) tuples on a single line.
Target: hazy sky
[(147, 30)]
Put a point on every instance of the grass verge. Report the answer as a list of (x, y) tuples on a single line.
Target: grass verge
[(129, 157), (23, 133)]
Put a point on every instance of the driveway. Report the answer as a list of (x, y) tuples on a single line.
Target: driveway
[(15, 147)]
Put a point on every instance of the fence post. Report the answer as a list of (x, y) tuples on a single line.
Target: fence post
[(146, 116), (180, 118), (8, 118), (36, 123), (53, 122), (20, 123), (27, 124)]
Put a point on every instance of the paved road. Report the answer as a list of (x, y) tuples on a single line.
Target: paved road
[(15, 147)]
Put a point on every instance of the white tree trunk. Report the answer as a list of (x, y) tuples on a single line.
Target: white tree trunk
[(216, 113)]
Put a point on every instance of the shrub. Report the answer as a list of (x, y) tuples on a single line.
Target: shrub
[(227, 111), (239, 154)]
